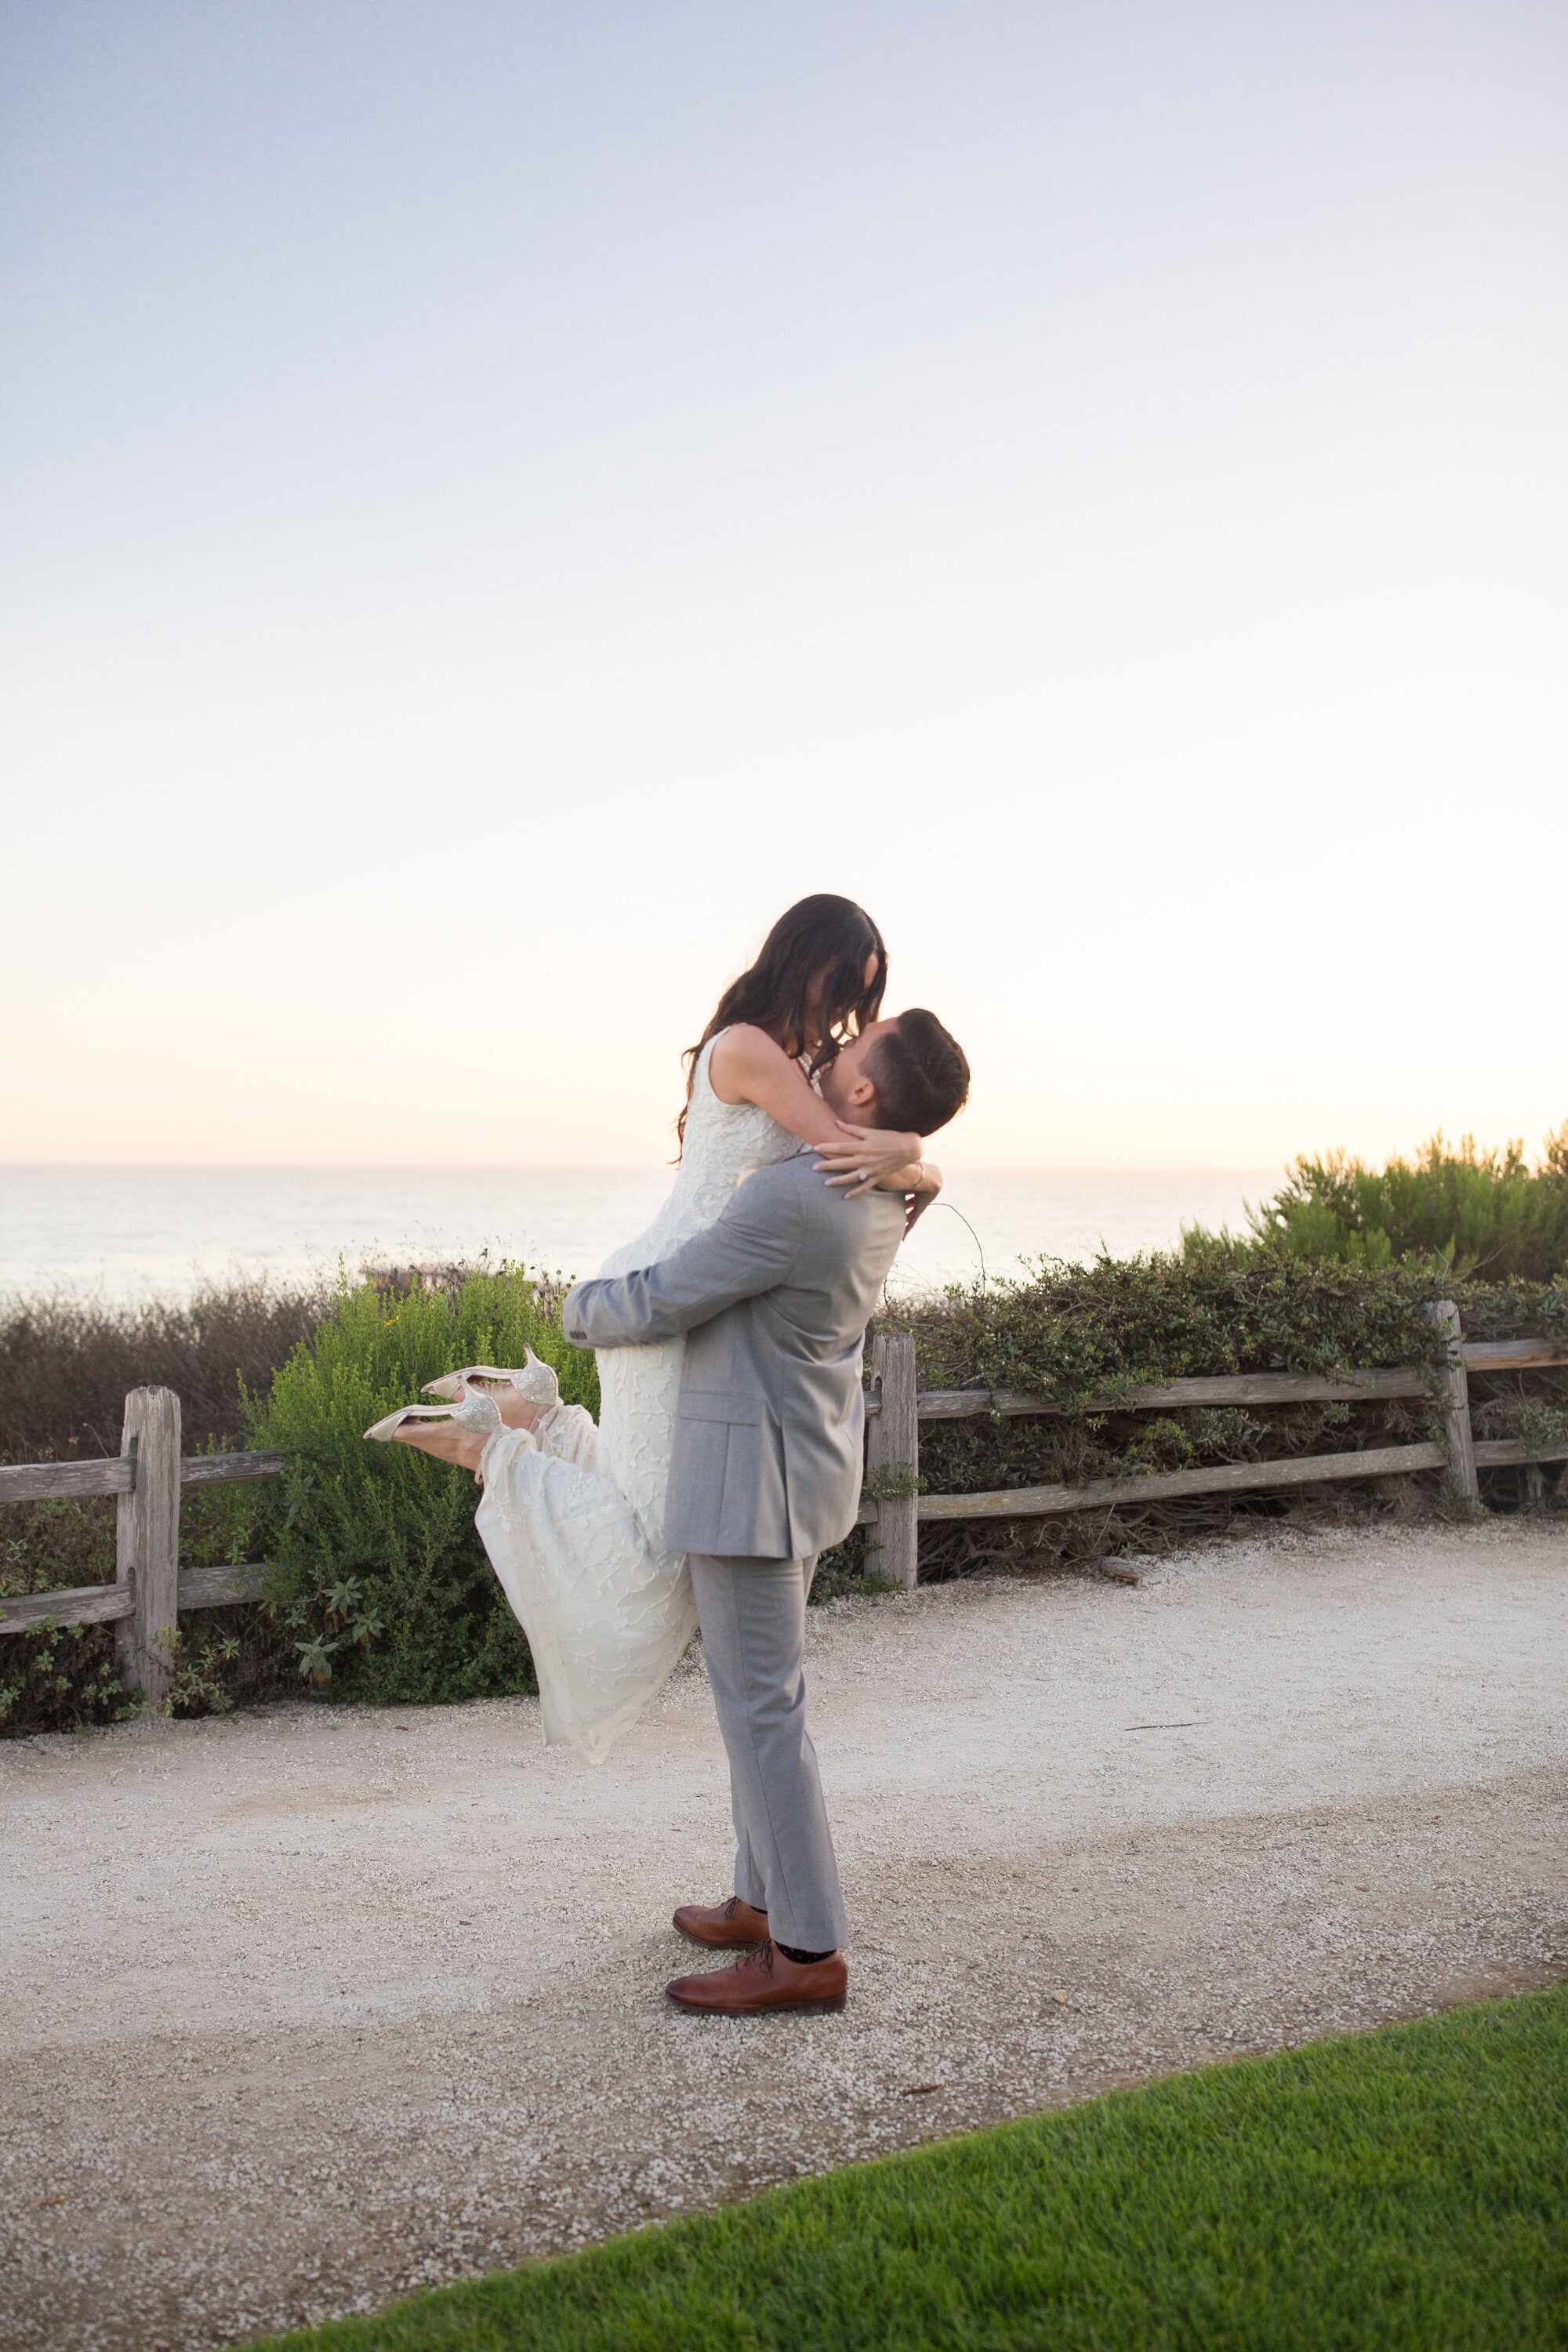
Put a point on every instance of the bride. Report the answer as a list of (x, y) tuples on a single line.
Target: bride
[(571, 1514)]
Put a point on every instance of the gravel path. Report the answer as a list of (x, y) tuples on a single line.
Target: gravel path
[(305, 2007)]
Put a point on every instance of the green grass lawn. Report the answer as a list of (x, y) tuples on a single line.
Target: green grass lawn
[(1403, 2189)]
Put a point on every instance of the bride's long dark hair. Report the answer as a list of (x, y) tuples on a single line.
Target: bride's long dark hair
[(807, 987)]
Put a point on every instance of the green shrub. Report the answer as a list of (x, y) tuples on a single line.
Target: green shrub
[(381, 1590), (1507, 1310), (380, 1576), (67, 1677), (1477, 1212), (1090, 1335), (1076, 1333)]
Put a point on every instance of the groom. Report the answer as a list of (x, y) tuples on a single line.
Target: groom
[(765, 1474)]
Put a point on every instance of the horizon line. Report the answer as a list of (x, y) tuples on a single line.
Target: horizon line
[(574, 1168)]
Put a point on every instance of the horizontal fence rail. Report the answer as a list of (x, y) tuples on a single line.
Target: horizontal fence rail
[(1244, 1388), (150, 1591), (897, 1519), (100, 1604), (37, 1482), (1169, 1486), (1224, 1477)]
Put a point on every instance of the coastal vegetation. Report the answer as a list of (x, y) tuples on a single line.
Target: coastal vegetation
[(1492, 1213), (379, 1588), (1389, 2193), (379, 1572)]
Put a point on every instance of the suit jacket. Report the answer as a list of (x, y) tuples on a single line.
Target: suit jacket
[(775, 1299)]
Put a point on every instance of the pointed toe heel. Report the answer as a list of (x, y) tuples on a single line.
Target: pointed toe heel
[(477, 1413), (534, 1380)]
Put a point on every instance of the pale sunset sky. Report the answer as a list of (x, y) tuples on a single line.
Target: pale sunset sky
[(499, 498)]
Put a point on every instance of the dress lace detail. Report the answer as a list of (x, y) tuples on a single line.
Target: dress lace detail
[(572, 1514)]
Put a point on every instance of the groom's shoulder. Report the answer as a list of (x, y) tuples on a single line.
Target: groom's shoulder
[(791, 1188), (798, 1185), (780, 1180)]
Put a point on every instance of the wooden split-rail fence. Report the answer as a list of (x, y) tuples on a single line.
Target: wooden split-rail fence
[(896, 1507), (151, 1473)]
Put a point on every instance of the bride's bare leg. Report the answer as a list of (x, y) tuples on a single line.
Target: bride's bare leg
[(515, 1411), (444, 1439)]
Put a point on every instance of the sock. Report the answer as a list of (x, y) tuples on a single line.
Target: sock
[(802, 1959)]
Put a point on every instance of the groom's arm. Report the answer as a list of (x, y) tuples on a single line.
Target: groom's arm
[(750, 1250)]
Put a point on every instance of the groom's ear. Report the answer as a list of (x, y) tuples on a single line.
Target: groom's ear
[(863, 1100)]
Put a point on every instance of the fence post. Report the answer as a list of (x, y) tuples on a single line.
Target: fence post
[(893, 1459), (1454, 1394), (147, 1541)]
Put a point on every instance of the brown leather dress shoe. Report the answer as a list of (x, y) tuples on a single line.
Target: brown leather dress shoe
[(765, 1980), (726, 1927)]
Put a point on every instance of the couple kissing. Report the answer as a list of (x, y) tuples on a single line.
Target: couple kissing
[(727, 1454)]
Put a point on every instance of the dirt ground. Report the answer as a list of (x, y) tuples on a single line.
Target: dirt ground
[(308, 2007)]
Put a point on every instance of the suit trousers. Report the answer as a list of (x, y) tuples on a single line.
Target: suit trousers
[(752, 1613)]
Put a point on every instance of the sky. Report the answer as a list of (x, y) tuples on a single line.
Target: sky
[(499, 500)]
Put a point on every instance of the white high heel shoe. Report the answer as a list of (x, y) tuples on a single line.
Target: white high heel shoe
[(535, 1382), (480, 1414)]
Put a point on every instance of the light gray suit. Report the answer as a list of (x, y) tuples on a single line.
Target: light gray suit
[(765, 1474)]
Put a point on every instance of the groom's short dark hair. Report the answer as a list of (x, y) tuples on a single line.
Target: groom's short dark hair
[(919, 1072)]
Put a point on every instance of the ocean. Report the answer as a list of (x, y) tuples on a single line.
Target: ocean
[(126, 1233)]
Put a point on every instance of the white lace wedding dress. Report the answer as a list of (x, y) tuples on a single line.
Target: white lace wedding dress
[(571, 1514)]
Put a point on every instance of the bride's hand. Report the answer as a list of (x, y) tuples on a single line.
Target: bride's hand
[(873, 1158), (918, 1197)]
